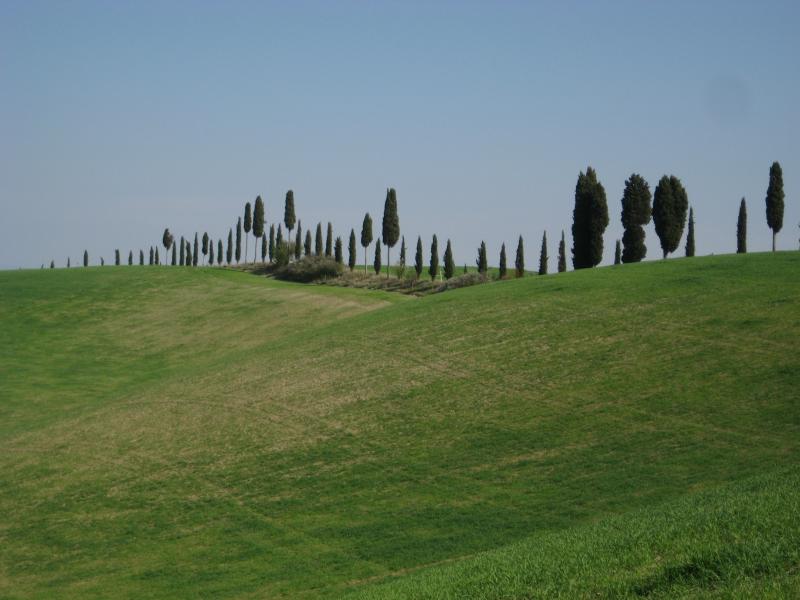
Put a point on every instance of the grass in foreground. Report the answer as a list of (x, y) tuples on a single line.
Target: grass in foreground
[(206, 432)]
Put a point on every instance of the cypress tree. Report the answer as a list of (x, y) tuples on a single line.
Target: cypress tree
[(318, 240), (337, 252), (618, 254), (449, 264), (116, 257), (238, 239), (158, 260), (503, 265), (211, 253), (229, 250), (433, 268), (188, 253), (377, 262), (481, 262), (351, 250), (543, 258), (174, 257), (102, 262), (775, 197), (366, 237), (263, 247), (288, 215), (52, 264), (141, 258), (130, 258), (307, 243), (298, 242), (182, 256), (741, 229), (418, 258), (258, 224), (329, 240), (690, 234), (152, 259), (670, 203), (562, 254), (590, 219), (68, 265), (195, 251), (219, 252), (391, 225), (519, 261), (279, 240), (205, 246), (248, 225), (85, 258), (271, 243), (636, 213), (402, 265), (465, 268), (166, 240)]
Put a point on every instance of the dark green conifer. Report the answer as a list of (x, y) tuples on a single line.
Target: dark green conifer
[(741, 229), (271, 243), (402, 264), (130, 258), (377, 262), (670, 203), (52, 264), (248, 225), (158, 261), (298, 242), (590, 219), (195, 251), (337, 251), (102, 262), (329, 240), (167, 240), (318, 240), (288, 214), (264, 247), (562, 254), (418, 258), (174, 257), (775, 197), (519, 261), (116, 257), (279, 239), (543, 258), (258, 224), (618, 254), (141, 258), (211, 253), (205, 246), (636, 213), (503, 265), (238, 240), (391, 225), (433, 267), (481, 261), (229, 249), (449, 263), (366, 237), (307, 244), (188, 253), (219, 252), (68, 263), (690, 234), (85, 258), (152, 259), (351, 250)]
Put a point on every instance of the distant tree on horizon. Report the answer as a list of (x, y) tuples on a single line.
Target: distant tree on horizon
[(391, 225), (774, 201), (195, 250), (690, 234), (229, 250), (182, 253), (167, 240), (741, 229), (219, 253), (670, 203), (288, 214), (52, 264), (543, 258), (157, 259), (152, 258), (351, 250), (116, 257), (102, 262), (298, 242), (418, 258), (210, 252), (318, 240), (636, 213), (449, 263), (519, 261), (248, 225), (85, 258), (271, 247), (433, 267), (307, 244), (337, 251), (279, 241), (141, 257), (503, 264), (366, 237), (377, 262), (68, 263), (130, 258), (618, 253), (264, 247), (174, 255), (238, 240), (483, 266), (205, 245), (329, 240), (258, 224), (401, 270), (590, 219), (562, 254)]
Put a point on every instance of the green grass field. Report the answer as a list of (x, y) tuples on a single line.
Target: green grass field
[(624, 431)]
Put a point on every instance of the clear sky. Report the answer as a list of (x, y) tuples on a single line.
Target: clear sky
[(120, 118)]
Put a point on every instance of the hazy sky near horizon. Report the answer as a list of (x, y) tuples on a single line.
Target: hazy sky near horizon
[(118, 119)]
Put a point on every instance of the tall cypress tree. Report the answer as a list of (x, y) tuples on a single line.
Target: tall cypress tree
[(279, 240), (449, 264), (377, 262), (258, 223), (182, 256), (503, 264), (68, 263), (157, 261), (543, 258), (174, 258), (152, 258), (298, 242), (670, 203), (618, 254), (636, 213), (690, 234), (481, 262), (418, 258), (775, 197), (52, 264), (741, 229), (219, 252), (141, 258), (211, 253), (433, 267), (116, 257), (189, 258), (229, 251), (288, 215), (351, 250), (85, 258), (195, 251), (329, 240), (590, 219), (130, 258), (205, 246), (366, 237), (307, 244), (318, 240), (248, 225), (562, 254), (402, 264), (391, 225), (238, 239), (263, 247), (102, 262), (337, 251), (271, 242), (519, 261), (167, 240)]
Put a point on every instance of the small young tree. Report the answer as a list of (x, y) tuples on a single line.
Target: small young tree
[(248, 225), (288, 215), (617, 253), (211, 253), (402, 264), (307, 244), (219, 252), (258, 224), (174, 257), (418, 258), (519, 261), (670, 203), (158, 261), (636, 213), (433, 268), (318, 240), (264, 247), (543, 258), (366, 237), (449, 263), (85, 258), (741, 229), (205, 246), (391, 225), (229, 250), (337, 251), (562, 254), (351, 250), (238, 240), (167, 240), (298, 242), (271, 243), (116, 257), (377, 262), (503, 265), (141, 258), (195, 251), (481, 261), (329, 240), (130, 258), (690, 234), (775, 197)]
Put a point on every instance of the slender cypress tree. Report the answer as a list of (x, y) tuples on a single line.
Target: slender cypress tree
[(174, 257), (264, 244), (298, 242), (141, 258), (449, 264), (618, 254), (116, 257), (366, 237), (167, 240), (481, 262), (205, 246), (775, 197), (279, 240), (562, 254), (402, 265), (318, 240), (351, 250), (433, 268), (337, 251), (307, 243), (258, 224), (102, 262), (741, 229), (188, 253), (590, 219), (670, 203), (636, 213), (211, 253), (130, 258), (52, 264), (152, 259), (248, 225), (68, 263), (85, 258), (229, 250), (219, 252), (238, 239), (329, 240), (503, 264), (158, 261), (391, 225), (288, 216), (377, 262), (519, 261), (418, 258), (543, 258), (195, 251), (690, 234), (271, 243)]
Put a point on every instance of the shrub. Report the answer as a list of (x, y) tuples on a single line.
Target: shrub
[(309, 268)]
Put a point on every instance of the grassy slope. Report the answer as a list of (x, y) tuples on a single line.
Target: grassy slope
[(177, 432)]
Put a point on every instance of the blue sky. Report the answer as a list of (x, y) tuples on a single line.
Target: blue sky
[(118, 119)]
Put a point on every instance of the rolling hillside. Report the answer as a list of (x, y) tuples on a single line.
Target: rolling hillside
[(203, 432)]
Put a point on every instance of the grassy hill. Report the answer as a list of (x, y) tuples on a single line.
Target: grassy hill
[(202, 432)]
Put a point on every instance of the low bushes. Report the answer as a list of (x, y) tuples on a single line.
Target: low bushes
[(308, 269)]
